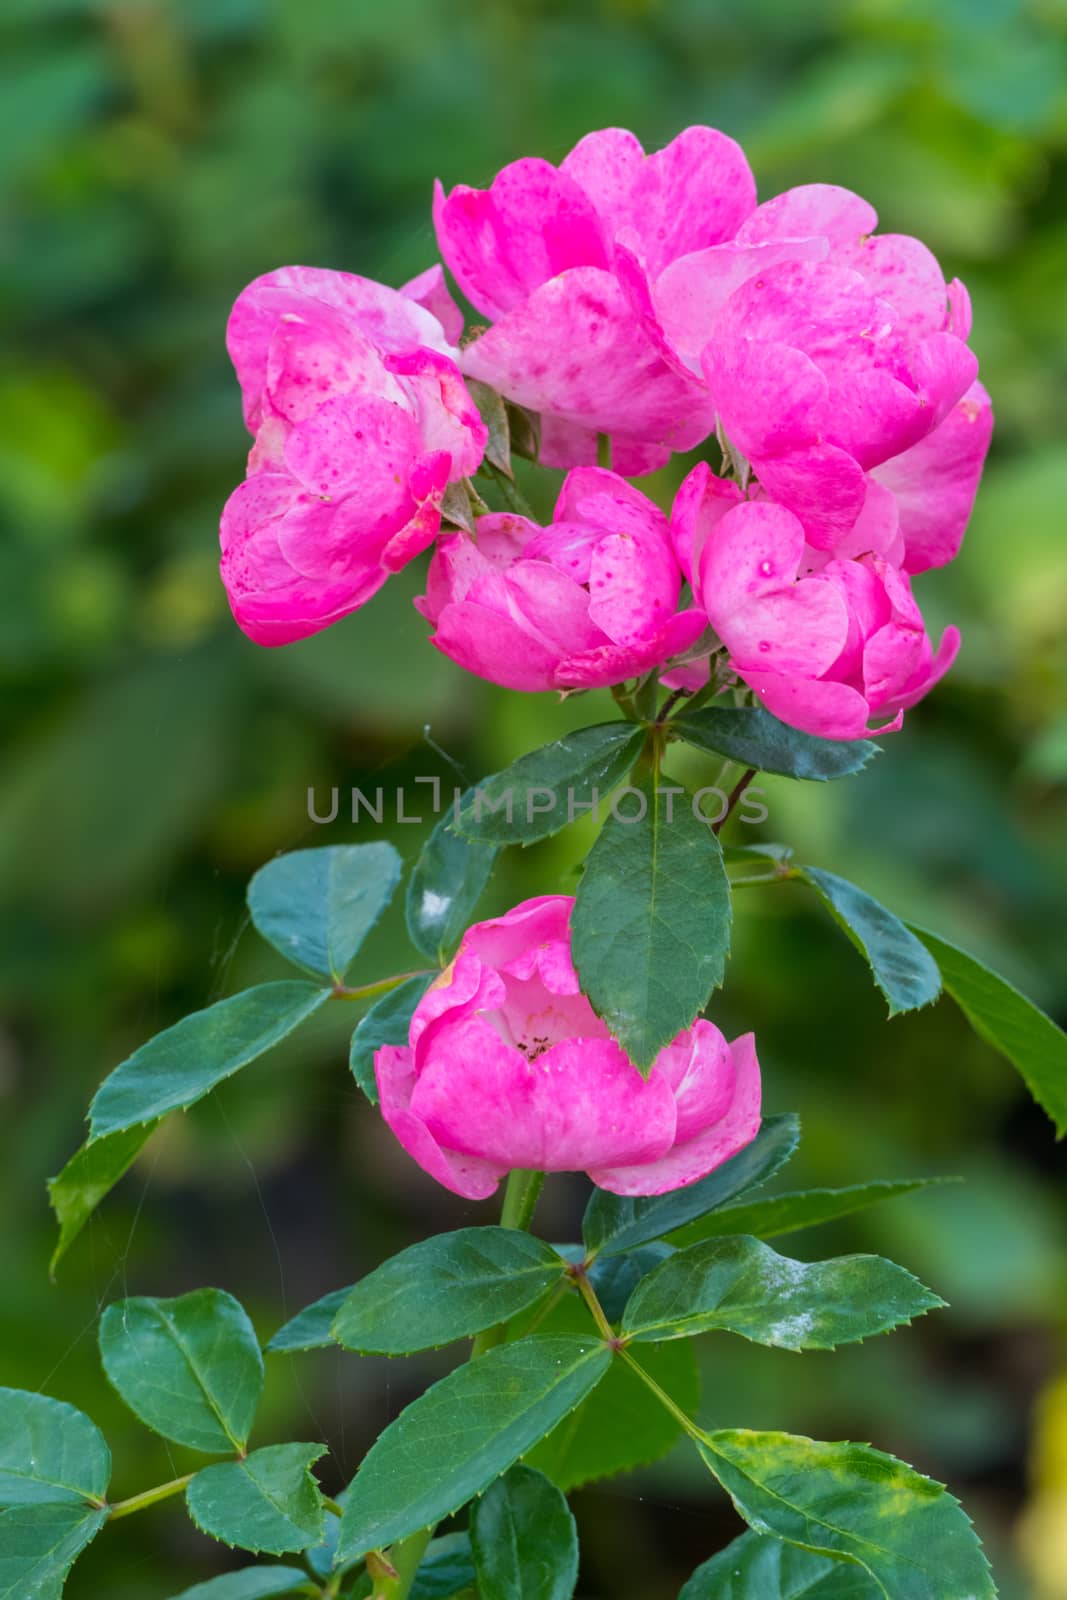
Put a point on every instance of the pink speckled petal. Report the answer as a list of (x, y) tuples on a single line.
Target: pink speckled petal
[(876, 529), (577, 1104), (749, 589), (430, 291), (932, 673), (574, 348), (935, 482), (693, 1158), (447, 415), (903, 272), (770, 398), (633, 587), (612, 663), (699, 506), (357, 444), (389, 319), (273, 602), (811, 208), (690, 293), (502, 242), (606, 165), (943, 368), (463, 1174), (694, 192), (822, 485), (315, 355)]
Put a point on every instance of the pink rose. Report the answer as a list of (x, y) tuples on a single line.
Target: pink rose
[(588, 601), (822, 368), (537, 253), (507, 1066), (361, 420), (826, 643)]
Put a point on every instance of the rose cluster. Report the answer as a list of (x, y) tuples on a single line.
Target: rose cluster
[(639, 305)]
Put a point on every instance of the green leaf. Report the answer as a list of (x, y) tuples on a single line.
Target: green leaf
[(800, 1208), (90, 1174), (854, 1504), (753, 738), (40, 1543), (387, 1022), (614, 1223), (621, 1425), (54, 1471), (743, 1286), (754, 1568), (450, 1443), (445, 886), (542, 792), (185, 1062), (50, 1453), (190, 1368), (1008, 1021), (494, 414), (251, 1583), (524, 1539), (310, 1328), (651, 923), (446, 1569), (268, 1503), (902, 968), (318, 906), (446, 1288)]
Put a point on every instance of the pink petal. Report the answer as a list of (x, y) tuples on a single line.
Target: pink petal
[(810, 209), (822, 485), (814, 705), (695, 192), (272, 602), (699, 1067), (633, 587), (573, 348), (430, 291), (931, 673), (903, 272), (693, 1158), (876, 529), (771, 398), (447, 415), (935, 482), (610, 663), (314, 355), (606, 165), (492, 646), (690, 293), (506, 941), (389, 319), (959, 310), (699, 506), (360, 445), (577, 1104), (465, 1175), (749, 589), (502, 242), (593, 494)]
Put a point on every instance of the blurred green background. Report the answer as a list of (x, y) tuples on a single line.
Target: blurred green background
[(154, 157)]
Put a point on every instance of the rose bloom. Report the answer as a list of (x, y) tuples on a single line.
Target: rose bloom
[(827, 644), (507, 1066), (361, 420), (536, 253), (588, 601)]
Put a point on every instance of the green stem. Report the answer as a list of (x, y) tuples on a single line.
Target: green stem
[(511, 493), (603, 451), (735, 795), (662, 1396), (404, 1558), (589, 1295), (149, 1497), (366, 991)]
